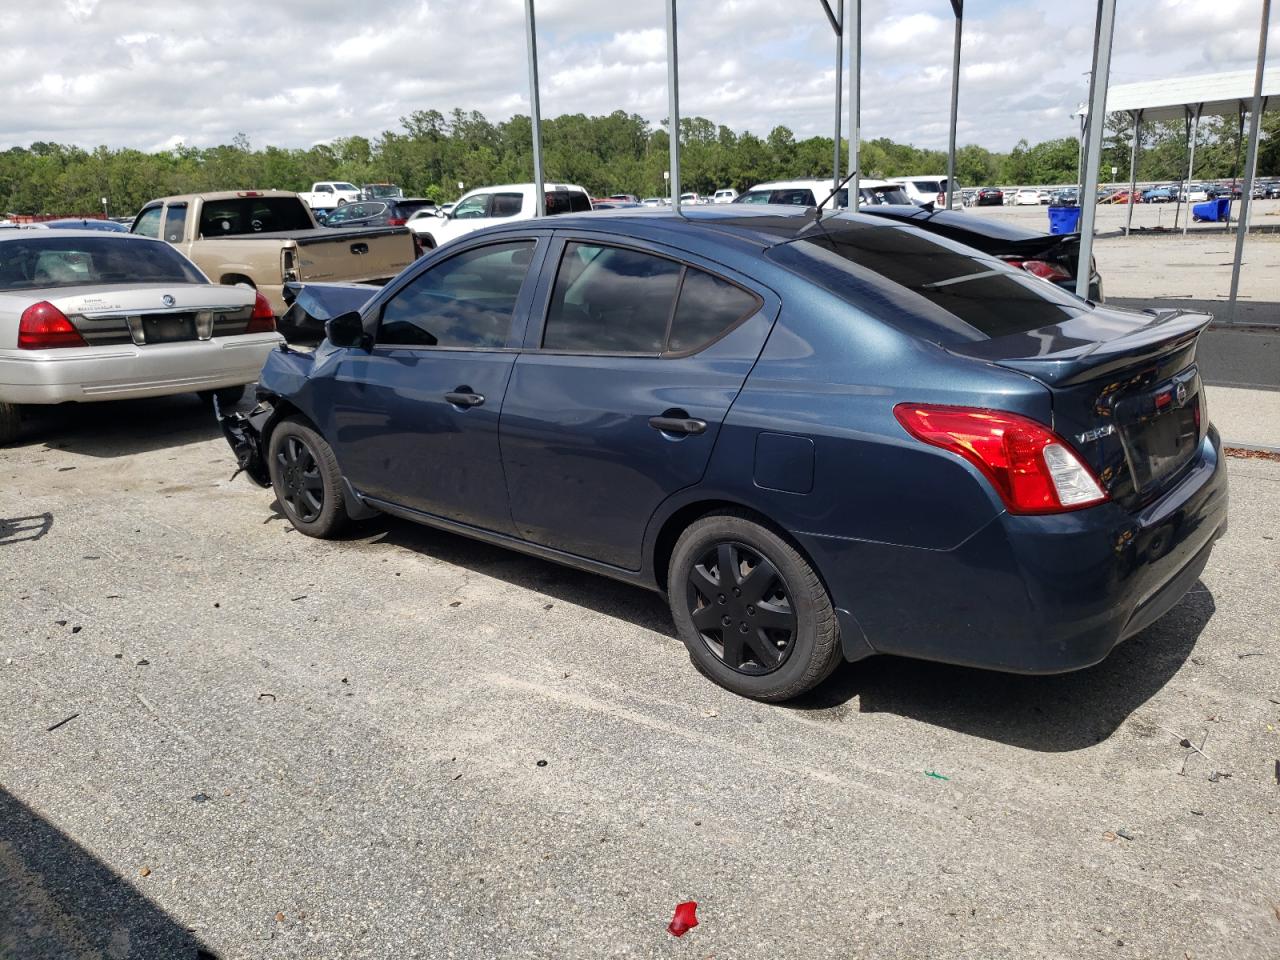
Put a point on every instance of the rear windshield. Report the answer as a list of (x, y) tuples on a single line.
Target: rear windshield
[(241, 215), (405, 208), (878, 196), (567, 201), (45, 262), (381, 191), (925, 284)]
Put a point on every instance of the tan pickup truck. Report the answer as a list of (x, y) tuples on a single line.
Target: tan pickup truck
[(267, 238)]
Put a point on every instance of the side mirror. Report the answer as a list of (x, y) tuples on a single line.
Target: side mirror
[(442, 214), (346, 330)]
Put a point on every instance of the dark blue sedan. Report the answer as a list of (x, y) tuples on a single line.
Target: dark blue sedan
[(820, 438)]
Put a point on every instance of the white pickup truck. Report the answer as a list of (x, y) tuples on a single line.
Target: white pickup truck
[(501, 204), (330, 194)]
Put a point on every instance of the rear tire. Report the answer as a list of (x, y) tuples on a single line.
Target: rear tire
[(10, 422), (306, 479), (227, 396), (767, 630)]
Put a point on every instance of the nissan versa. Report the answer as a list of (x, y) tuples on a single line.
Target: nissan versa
[(821, 438)]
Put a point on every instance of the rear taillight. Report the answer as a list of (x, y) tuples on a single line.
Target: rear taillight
[(396, 221), (1031, 467), (1041, 268), (43, 326), (263, 319)]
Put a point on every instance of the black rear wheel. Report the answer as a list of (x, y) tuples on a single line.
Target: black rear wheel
[(227, 396), (10, 422), (306, 479), (753, 614)]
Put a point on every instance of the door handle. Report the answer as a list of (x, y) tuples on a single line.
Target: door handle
[(463, 397), (678, 424)]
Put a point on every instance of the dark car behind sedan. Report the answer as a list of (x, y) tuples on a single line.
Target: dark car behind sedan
[(389, 212), (819, 438), (1052, 257), (989, 197)]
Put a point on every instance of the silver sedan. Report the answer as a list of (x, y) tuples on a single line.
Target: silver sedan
[(87, 316)]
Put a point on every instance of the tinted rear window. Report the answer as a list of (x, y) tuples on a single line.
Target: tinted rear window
[(707, 309), (926, 284), (567, 201), (71, 261), (230, 218)]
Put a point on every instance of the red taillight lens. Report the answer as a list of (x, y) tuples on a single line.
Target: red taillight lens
[(1031, 467), (43, 326), (263, 319), (1041, 268), (396, 221)]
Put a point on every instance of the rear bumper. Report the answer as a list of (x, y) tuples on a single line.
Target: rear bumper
[(1026, 594), (87, 374)]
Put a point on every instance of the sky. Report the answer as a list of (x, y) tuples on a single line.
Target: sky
[(292, 73)]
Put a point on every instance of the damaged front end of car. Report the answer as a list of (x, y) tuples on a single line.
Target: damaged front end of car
[(244, 432)]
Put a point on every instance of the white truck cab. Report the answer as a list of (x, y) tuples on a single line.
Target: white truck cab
[(330, 194), (487, 206)]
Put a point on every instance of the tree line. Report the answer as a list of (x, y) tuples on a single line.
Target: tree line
[(439, 156)]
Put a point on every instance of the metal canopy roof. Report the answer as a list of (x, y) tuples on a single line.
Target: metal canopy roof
[(1216, 93)]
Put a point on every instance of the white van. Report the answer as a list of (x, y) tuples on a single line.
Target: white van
[(502, 204), (926, 189), (726, 195)]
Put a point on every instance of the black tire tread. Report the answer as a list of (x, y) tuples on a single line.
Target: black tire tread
[(826, 653), (333, 515), (10, 422)]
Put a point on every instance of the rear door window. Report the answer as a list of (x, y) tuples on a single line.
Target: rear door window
[(466, 301), (708, 309), (506, 204), (567, 201), (796, 198), (610, 300)]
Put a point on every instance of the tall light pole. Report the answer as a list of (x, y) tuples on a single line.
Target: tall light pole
[(673, 95), (535, 109)]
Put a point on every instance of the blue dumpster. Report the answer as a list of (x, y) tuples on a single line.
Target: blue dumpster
[(1213, 211), (1064, 219)]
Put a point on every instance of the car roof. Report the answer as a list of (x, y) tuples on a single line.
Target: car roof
[(815, 184), (755, 226), (66, 234), (526, 186)]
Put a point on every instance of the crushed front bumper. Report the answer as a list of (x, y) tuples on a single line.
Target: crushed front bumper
[(244, 434)]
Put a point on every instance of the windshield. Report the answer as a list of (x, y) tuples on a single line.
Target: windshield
[(344, 186), (925, 284), (241, 215), (381, 191), (76, 261)]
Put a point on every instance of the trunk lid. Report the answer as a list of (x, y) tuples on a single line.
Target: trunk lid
[(139, 314), (1127, 392)]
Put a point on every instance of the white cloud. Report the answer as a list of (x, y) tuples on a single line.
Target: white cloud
[(294, 72)]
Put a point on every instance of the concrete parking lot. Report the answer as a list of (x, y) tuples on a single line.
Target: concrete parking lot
[(411, 745)]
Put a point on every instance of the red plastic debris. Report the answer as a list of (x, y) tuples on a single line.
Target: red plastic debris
[(685, 919)]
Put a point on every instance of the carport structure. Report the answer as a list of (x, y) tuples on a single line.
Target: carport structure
[(1191, 98)]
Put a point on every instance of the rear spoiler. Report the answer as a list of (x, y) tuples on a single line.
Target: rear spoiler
[(1092, 344)]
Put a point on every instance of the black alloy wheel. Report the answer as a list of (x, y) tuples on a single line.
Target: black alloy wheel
[(741, 607), (301, 485)]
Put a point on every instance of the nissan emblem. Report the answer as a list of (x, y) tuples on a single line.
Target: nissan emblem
[(1180, 394), (168, 301)]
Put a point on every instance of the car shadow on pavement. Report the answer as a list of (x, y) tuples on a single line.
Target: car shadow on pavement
[(613, 598), (1050, 714), (121, 428), (58, 900)]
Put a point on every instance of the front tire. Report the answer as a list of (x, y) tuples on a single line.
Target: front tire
[(752, 612), (305, 477)]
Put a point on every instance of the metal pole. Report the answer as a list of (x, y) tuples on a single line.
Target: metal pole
[(535, 103), (855, 99), (673, 94), (1133, 169), (1255, 124), (1235, 172), (957, 7), (1098, 81), (1177, 206), (1191, 164), (835, 166)]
